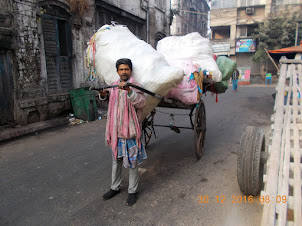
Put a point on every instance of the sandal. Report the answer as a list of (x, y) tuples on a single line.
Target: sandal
[(110, 194), (131, 199)]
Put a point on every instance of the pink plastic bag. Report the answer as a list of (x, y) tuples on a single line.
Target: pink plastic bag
[(187, 90)]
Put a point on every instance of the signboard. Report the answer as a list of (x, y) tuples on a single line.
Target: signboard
[(221, 47), (244, 75), (246, 45)]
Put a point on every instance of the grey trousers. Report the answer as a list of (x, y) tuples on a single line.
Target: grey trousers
[(117, 176)]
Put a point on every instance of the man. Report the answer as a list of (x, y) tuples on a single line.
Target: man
[(123, 131), (235, 77)]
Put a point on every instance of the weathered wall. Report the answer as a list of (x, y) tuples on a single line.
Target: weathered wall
[(130, 6), (159, 21), (32, 102), (28, 49), (237, 17), (22, 34), (28, 79), (192, 17), (223, 17), (81, 33), (281, 10), (257, 17)]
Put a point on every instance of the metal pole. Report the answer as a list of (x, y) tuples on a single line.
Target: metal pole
[(297, 33)]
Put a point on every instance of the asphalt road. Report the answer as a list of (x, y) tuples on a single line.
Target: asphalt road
[(58, 177)]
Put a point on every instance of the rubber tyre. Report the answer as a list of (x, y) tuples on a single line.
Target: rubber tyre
[(249, 167), (200, 129)]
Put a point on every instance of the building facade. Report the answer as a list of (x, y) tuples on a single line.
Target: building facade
[(190, 16), (233, 23), (43, 44)]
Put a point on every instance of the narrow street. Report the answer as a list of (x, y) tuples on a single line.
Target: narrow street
[(58, 177)]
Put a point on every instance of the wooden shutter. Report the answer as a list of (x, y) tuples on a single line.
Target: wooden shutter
[(51, 46), (57, 44), (6, 90)]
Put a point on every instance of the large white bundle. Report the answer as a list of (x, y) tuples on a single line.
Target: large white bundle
[(149, 67), (188, 50)]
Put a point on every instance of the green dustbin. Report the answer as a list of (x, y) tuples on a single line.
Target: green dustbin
[(83, 103)]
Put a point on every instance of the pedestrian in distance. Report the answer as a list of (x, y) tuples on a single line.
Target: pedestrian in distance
[(235, 77), (123, 130)]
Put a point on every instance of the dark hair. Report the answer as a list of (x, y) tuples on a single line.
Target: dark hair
[(123, 61)]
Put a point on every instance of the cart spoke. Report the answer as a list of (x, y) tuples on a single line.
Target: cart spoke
[(148, 128)]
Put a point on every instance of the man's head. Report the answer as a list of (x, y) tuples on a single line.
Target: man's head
[(124, 68)]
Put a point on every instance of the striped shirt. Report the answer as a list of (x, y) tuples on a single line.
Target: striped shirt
[(235, 75)]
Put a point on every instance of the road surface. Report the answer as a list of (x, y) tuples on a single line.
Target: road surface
[(58, 177)]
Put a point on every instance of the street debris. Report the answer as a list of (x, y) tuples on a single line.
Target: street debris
[(75, 121)]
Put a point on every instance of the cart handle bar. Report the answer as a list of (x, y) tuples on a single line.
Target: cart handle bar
[(136, 87)]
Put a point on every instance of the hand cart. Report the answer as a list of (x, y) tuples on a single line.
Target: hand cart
[(198, 126)]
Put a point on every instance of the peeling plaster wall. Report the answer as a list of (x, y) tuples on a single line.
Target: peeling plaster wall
[(290, 9), (28, 49), (31, 99), (81, 34), (159, 17), (192, 17), (32, 103), (130, 6), (28, 60)]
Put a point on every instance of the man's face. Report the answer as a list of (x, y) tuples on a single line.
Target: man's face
[(124, 72)]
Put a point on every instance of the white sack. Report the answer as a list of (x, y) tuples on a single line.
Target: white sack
[(179, 50), (150, 68)]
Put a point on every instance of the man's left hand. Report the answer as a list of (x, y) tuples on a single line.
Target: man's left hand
[(122, 85)]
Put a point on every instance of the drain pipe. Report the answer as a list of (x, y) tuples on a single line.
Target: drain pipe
[(146, 8), (148, 26)]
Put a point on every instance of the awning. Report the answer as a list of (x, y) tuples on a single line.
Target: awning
[(289, 52), (293, 49)]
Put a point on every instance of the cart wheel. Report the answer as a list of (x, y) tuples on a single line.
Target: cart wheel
[(199, 129), (148, 129), (251, 160)]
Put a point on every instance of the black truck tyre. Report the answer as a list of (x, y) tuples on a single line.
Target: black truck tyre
[(249, 165)]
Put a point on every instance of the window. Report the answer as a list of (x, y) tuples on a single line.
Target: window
[(205, 28), (286, 2), (221, 32), (251, 2), (243, 3), (62, 38), (243, 31), (251, 29), (221, 4), (246, 31), (186, 29)]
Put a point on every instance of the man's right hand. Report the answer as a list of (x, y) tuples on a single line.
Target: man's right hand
[(103, 93)]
